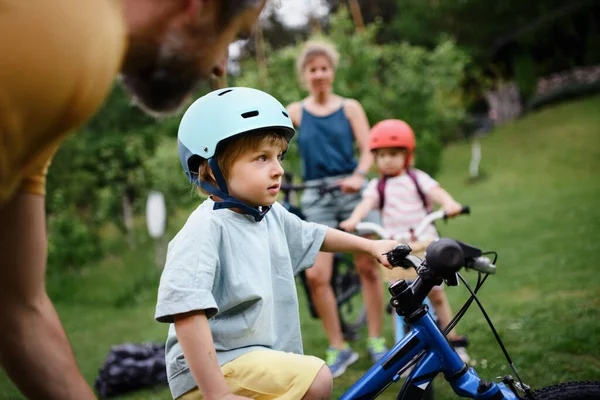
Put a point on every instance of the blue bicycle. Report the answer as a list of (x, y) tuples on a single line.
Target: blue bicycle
[(425, 347)]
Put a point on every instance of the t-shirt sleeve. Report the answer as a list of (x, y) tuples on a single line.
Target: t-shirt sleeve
[(189, 274), (304, 240), (426, 182), (371, 191)]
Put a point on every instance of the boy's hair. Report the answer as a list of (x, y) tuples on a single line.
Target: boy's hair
[(230, 150), (315, 48)]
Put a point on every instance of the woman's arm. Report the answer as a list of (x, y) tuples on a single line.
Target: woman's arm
[(360, 128), (193, 333), (295, 112), (337, 241)]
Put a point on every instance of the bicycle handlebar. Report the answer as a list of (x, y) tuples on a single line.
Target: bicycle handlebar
[(444, 257), (429, 219), (322, 187)]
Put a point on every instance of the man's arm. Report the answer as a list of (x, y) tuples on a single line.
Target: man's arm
[(34, 349)]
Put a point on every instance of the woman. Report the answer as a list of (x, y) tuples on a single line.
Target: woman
[(329, 129)]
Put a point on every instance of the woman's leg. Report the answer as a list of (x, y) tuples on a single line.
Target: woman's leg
[(323, 297), (372, 287)]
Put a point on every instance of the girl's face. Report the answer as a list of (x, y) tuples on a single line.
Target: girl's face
[(318, 74), (390, 160)]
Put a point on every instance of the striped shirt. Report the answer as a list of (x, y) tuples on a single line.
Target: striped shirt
[(403, 208)]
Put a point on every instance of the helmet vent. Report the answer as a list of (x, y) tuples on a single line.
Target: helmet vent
[(250, 114), (225, 92), (286, 114)]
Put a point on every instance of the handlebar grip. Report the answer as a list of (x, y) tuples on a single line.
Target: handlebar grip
[(483, 264)]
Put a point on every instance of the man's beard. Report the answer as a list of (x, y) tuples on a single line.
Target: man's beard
[(161, 77)]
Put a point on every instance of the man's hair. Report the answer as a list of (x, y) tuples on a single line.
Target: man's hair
[(230, 150), (229, 9)]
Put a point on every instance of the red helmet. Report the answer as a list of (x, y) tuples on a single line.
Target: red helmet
[(393, 133)]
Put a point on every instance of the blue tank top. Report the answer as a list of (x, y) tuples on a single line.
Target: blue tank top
[(326, 145)]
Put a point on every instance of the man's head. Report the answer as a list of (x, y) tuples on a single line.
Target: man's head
[(175, 44)]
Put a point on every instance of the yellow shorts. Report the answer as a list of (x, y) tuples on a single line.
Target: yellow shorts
[(268, 374)]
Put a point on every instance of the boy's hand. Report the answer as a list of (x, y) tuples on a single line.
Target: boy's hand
[(452, 208), (349, 225), (379, 247)]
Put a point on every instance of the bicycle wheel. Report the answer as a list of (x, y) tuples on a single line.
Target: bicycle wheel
[(348, 293), (569, 391)]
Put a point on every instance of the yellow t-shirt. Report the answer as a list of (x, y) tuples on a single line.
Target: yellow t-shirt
[(58, 61)]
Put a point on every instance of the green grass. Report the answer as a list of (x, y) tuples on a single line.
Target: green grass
[(537, 207)]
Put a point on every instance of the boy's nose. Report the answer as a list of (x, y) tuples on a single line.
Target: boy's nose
[(277, 170)]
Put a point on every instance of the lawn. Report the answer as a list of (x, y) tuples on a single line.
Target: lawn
[(536, 206)]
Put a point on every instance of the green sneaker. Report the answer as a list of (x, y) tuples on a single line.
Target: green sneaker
[(377, 348), (338, 360)]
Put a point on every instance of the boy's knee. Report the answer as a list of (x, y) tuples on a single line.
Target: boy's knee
[(321, 387)]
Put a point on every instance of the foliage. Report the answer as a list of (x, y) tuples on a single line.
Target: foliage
[(391, 81)]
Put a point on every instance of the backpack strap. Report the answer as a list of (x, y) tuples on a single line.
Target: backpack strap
[(381, 190), (413, 176)]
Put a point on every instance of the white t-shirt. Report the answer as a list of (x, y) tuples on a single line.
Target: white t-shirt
[(403, 208)]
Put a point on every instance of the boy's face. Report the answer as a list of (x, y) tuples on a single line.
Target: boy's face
[(390, 160), (255, 176)]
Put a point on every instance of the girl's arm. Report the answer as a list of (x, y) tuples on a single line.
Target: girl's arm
[(443, 198), (360, 211), (337, 241), (193, 333)]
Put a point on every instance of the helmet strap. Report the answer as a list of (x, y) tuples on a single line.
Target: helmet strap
[(228, 201)]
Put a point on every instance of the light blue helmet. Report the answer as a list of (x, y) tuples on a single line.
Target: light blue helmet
[(220, 115)]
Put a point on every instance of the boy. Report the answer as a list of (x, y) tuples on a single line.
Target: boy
[(228, 285), (403, 195)]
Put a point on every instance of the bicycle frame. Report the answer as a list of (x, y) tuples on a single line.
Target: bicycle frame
[(438, 357)]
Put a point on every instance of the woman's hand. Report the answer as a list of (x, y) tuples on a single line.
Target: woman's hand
[(351, 184), (452, 208), (349, 225), (379, 247)]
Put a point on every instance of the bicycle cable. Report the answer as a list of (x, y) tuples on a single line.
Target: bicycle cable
[(468, 303), (524, 387)]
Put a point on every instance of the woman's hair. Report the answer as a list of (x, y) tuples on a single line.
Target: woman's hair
[(314, 48), (230, 150)]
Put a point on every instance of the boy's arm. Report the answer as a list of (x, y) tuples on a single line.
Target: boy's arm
[(337, 241), (193, 333), (361, 211), (443, 198)]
